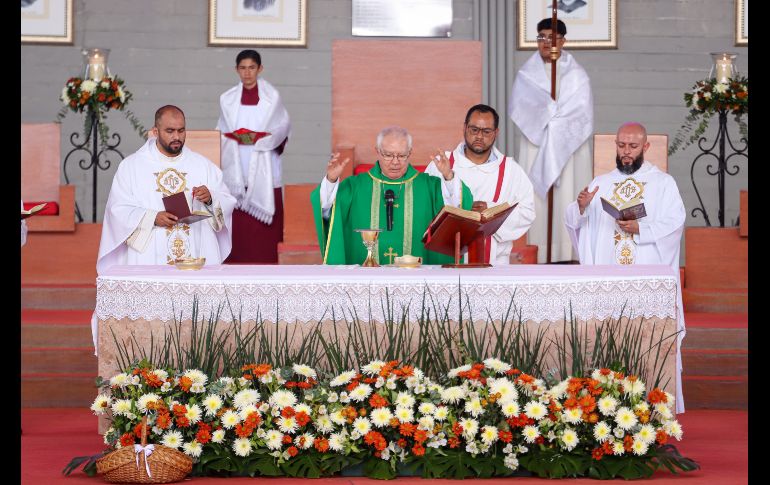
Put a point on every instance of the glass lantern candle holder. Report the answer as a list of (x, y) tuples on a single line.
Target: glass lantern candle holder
[(95, 64), (723, 67)]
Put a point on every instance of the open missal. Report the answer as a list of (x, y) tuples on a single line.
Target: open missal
[(630, 213), (177, 205), (32, 211)]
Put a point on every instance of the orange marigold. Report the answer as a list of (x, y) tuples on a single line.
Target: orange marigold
[(657, 396), (302, 418), (127, 439), (454, 442), (286, 440), (597, 454), (182, 422), (321, 444), (292, 451), (185, 383), (377, 401), (163, 421), (407, 429), (418, 450), (661, 437)]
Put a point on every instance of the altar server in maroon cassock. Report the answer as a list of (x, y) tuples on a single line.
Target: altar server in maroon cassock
[(255, 127)]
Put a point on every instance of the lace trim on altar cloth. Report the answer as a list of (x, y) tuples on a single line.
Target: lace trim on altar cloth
[(313, 301)]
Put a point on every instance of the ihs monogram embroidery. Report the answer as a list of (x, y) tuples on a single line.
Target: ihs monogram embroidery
[(170, 181), (628, 192), (177, 242)]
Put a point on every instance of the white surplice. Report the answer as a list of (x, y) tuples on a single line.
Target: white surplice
[(251, 172), (554, 147), (129, 234), (481, 179), (598, 239)]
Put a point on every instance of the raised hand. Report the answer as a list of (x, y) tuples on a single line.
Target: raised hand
[(335, 167), (442, 164), (585, 197)]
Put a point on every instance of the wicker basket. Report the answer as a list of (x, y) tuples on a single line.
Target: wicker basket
[(165, 464)]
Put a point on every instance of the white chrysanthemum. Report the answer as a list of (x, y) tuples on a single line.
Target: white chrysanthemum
[(135, 380), (244, 412), (218, 436), (670, 399), (65, 96), (474, 407), (535, 410), (426, 423), (457, 370), (496, 365), (160, 374), (343, 378), (193, 448), (338, 418), (426, 408), (441, 413), (674, 429), (212, 403), (642, 406), (304, 371), (511, 461), (504, 388), (165, 387), (88, 86), (664, 411), (196, 376), (303, 408), (488, 434), (245, 398), (472, 448), (337, 441), (242, 447), (453, 395), (194, 413), (391, 383), (572, 415), (304, 441), (230, 419), (530, 433), (332, 397), (362, 425), (100, 404), (570, 439), (618, 433), (120, 380), (282, 399), (405, 415), (360, 392), (197, 388), (172, 439), (323, 423), (618, 448), (635, 388), (373, 368), (639, 447), (287, 425), (607, 405), (121, 407), (470, 427), (510, 408), (344, 398), (405, 399), (273, 439), (381, 417), (646, 433), (625, 418), (602, 432)]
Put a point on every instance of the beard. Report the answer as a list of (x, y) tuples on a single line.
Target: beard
[(629, 169), (169, 149)]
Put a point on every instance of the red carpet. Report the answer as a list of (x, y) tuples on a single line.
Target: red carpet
[(717, 440)]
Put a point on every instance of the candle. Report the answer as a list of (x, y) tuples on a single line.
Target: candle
[(724, 69)]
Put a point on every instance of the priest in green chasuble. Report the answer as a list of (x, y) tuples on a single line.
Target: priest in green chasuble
[(359, 202)]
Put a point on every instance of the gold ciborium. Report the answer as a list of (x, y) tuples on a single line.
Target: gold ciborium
[(370, 240)]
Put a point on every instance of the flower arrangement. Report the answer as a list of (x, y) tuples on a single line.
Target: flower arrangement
[(706, 98), (485, 419), (97, 98)]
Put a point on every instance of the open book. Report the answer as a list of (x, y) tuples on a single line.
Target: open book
[(440, 235), (177, 205), (488, 214), (34, 210), (630, 213)]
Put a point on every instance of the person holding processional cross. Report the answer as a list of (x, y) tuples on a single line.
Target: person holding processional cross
[(359, 202), (554, 147)]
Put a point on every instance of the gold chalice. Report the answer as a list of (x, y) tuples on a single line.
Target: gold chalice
[(370, 240)]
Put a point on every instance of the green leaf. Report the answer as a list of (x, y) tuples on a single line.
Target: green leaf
[(554, 463), (379, 469), (302, 466)]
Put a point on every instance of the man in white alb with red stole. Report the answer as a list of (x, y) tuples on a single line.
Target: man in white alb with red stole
[(493, 179), (554, 147), (255, 127)]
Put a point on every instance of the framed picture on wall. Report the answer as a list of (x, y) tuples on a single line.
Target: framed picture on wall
[(742, 22), (46, 22), (591, 24), (281, 23)]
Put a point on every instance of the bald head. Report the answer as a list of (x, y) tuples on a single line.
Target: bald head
[(169, 130), (631, 143), (169, 108)]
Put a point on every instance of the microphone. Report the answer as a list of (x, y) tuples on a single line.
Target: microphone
[(389, 197)]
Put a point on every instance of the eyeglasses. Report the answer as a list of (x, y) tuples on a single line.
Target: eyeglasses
[(547, 39), (390, 156), (475, 130)]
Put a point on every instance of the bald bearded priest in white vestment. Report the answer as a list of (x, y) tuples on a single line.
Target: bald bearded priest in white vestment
[(554, 148), (653, 239), (163, 166), (492, 178)]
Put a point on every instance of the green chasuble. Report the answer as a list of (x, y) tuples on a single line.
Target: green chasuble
[(360, 204)]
